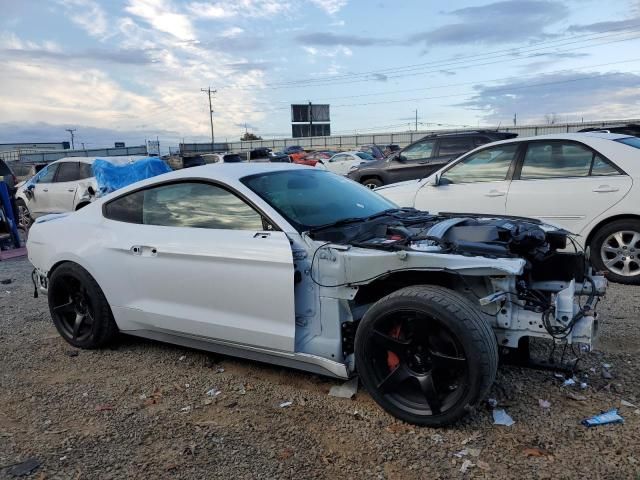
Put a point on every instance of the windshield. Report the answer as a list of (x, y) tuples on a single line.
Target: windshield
[(365, 156), (309, 198), (631, 141)]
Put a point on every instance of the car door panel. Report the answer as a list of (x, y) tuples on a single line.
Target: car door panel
[(230, 285), (484, 197), (568, 202)]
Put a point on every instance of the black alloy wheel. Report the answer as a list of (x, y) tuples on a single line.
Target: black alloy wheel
[(79, 309), (425, 355)]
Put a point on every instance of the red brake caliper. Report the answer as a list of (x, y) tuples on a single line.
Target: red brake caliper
[(392, 359)]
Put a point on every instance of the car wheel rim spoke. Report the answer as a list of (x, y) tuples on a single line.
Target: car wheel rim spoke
[(428, 388), (394, 379), (392, 344), (65, 307), (72, 308), (443, 361), (619, 253)]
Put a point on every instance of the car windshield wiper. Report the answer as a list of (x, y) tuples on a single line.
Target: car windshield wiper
[(346, 221)]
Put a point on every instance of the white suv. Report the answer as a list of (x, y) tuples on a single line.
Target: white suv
[(65, 185)]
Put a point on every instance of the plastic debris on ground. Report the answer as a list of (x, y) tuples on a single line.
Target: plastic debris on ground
[(286, 404), (583, 385), (576, 396), (624, 403), (347, 390), (544, 403), (25, 468), (213, 392), (465, 466), (606, 374), (607, 366), (483, 465), (111, 177), (501, 417), (568, 382), (182, 358), (603, 419), (185, 409), (492, 402)]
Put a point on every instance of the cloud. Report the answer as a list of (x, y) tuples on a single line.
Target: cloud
[(239, 8), (161, 15), (93, 55), (569, 93), (507, 21), (328, 52), (331, 7), (380, 77), (88, 15), (246, 66), (605, 27), (326, 38)]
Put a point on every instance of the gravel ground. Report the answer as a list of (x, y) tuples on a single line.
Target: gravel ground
[(141, 408)]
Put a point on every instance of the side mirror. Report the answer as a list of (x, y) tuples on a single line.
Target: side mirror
[(31, 186), (91, 190), (434, 180), (400, 158)]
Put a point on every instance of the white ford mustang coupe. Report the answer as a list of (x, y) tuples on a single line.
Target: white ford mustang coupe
[(301, 267)]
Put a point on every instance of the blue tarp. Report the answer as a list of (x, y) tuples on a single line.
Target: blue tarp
[(111, 177)]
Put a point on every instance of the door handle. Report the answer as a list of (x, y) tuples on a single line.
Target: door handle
[(495, 193), (605, 189), (45, 189), (262, 235), (144, 250), (71, 190)]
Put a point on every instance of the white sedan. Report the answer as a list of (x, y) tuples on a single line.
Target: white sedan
[(344, 162), (296, 266), (588, 183)]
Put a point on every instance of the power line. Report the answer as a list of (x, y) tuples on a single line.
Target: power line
[(509, 52)]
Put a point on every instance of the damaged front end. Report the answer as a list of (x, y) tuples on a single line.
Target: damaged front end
[(516, 271)]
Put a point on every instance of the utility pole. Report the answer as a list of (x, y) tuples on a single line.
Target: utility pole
[(416, 119), (310, 120), (208, 91), (515, 119), (71, 130)]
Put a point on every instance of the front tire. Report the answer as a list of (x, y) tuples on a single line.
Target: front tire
[(24, 216), (426, 355), (615, 249), (79, 309)]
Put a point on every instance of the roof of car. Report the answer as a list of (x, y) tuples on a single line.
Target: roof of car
[(233, 171), (116, 159), (581, 136)]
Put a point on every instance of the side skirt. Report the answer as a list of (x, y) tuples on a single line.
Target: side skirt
[(300, 361)]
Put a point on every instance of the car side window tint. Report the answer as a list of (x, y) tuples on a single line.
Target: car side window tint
[(48, 173), (126, 209), (489, 165), (602, 168), (198, 205), (556, 160), (86, 170), (68, 172), (454, 146), (419, 150)]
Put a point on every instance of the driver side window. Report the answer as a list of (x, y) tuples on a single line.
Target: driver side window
[(419, 150), (48, 173), (489, 165)]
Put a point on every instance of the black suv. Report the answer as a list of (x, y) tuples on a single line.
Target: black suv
[(423, 157)]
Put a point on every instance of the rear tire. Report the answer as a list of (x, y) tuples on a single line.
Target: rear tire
[(426, 355), (79, 309), (615, 249), (24, 216), (372, 183)]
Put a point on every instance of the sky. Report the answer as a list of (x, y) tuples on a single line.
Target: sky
[(131, 70)]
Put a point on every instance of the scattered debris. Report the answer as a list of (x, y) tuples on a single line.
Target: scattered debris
[(208, 401), (220, 370), (576, 396), (186, 385), (607, 366), (242, 390), (25, 468), (104, 408), (347, 390), (603, 419), (436, 438), (535, 452), (483, 465), (357, 415), (606, 374), (71, 353), (583, 385), (182, 358), (231, 405), (474, 452), (286, 404), (186, 409), (568, 382), (624, 403), (544, 403), (592, 370), (465, 466), (213, 392), (63, 458), (461, 453), (558, 375), (492, 402), (500, 417), (6, 281), (474, 436)]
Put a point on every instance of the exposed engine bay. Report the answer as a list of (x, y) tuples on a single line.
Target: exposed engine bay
[(518, 270)]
